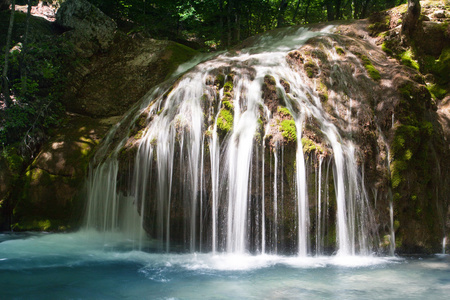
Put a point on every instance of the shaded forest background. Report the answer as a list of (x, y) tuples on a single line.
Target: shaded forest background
[(34, 66), (223, 23)]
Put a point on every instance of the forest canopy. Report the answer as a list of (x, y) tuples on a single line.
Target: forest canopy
[(222, 23), (33, 75)]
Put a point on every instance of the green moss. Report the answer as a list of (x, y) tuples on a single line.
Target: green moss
[(219, 81), (386, 49), (442, 67), (406, 58), (310, 146), (228, 105), (269, 79), (39, 225), (310, 68), (323, 92), (284, 111), (371, 70), (228, 87), (339, 50), (288, 130), (225, 121), (437, 91), (15, 161), (382, 24), (397, 168), (406, 138)]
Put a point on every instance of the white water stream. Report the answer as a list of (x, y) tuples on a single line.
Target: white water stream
[(192, 188)]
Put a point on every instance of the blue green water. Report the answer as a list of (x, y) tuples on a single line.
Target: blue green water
[(92, 266)]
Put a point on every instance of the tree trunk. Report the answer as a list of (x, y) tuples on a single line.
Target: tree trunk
[(307, 11), (281, 10), (410, 19), (356, 9), (330, 14), (238, 26), (229, 23), (296, 11), (337, 9), (23, 63), (222, 31), (364, 9), (5, 82)]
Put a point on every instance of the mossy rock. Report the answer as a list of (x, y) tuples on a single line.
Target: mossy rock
[(406, 58), (219, 81), (46, 197), (228, 86), (284, 112), (339, 51), (311, 68), (175, 55), (224, 121), (52, 184), (310, 146), (371, 70), (289, 131), (380, 23)]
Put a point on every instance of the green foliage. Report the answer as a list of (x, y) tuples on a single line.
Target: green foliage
[(37, 105), (223, 23)]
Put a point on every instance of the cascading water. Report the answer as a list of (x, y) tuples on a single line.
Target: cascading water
[(218, 162)]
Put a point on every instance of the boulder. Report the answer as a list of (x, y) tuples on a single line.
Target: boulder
[(90, 30), (49, 197), (109, 84)]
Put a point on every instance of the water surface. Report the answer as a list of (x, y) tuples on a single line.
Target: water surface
[(87, 265)]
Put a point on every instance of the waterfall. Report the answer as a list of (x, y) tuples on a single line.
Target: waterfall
[(201, 176)]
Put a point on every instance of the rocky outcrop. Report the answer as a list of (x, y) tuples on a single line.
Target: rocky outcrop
[(90, 30), (49, 197), (109, 84), (384, 107)]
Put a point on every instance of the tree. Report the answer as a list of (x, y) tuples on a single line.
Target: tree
[(5, 82), (411, 18), (23, 61)]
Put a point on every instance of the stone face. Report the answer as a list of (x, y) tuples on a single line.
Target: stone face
[(90, 29), (51, 185), (109, 84)]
